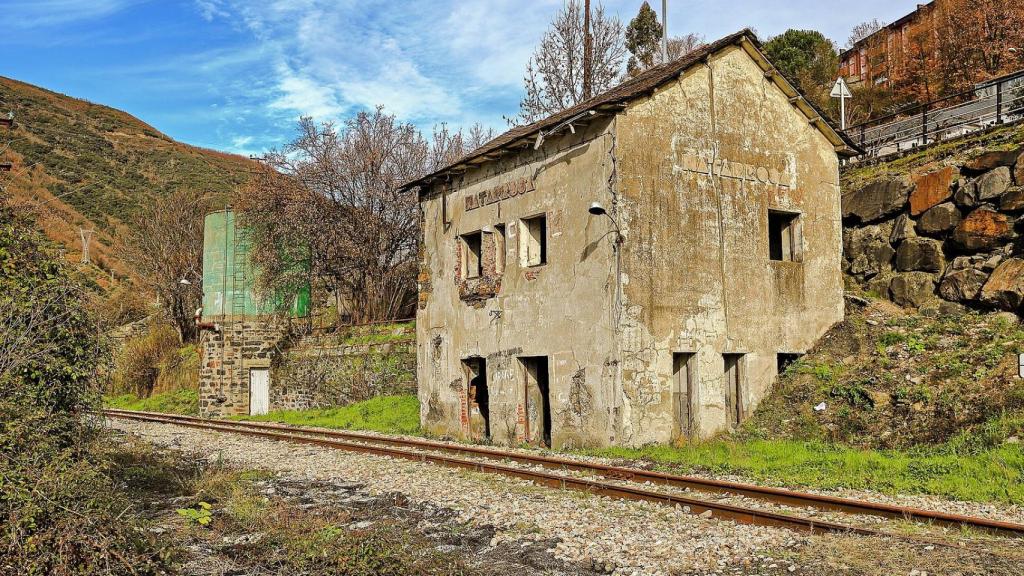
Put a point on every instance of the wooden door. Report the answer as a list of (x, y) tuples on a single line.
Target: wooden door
[(259, 390)]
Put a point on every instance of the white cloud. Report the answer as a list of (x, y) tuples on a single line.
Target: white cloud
[(305, 96), (28, 14)]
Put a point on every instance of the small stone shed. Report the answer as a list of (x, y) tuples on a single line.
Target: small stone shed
[(637, 268)]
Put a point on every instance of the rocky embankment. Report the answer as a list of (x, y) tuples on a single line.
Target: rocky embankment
[(945, 235)]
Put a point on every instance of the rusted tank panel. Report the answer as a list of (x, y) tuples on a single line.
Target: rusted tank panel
[(701, 164)]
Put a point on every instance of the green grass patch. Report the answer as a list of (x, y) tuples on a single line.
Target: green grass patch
[(993, 475), (387, 414), (179, 401)]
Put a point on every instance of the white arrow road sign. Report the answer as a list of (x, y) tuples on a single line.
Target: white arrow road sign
[(842, 91)]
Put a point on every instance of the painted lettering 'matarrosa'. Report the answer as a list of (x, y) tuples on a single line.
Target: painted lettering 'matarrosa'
[(498, 193), (712, 162)]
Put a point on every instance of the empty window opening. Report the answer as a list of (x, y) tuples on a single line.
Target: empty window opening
[(784, 359), (472, 263), (538, 400), (782, 236), (683, 392), (499, 248), (479, 398), (533, 241), (733, 388)]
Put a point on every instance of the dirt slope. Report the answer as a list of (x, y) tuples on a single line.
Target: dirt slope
[(84, 165)]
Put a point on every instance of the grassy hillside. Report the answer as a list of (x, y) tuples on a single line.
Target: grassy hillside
[(79, 164), (893, 379)]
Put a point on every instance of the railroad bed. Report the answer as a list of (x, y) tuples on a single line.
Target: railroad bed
[(740, 502)]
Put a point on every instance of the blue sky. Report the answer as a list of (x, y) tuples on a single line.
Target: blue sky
[(234, 75)]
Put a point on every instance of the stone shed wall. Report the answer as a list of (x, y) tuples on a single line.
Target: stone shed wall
[(227, 356), (335, 370), (306, 371), (944, 235)]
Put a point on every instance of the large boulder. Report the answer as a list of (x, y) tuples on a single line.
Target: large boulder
[(939, 219), (876, 200), (902, 229), (1005, 287), (920, 255), (992, 184), (962, 285), (1012, 199), (1018, 172), (982, 229), (991, 160), (932, 189), (912, 288), (964, 195)]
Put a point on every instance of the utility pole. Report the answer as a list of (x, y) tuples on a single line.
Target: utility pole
[(664, 31), (86, 239), (588, 53), (7, 122)]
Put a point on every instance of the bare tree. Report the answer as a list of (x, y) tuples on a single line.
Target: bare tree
[(560, 74), (331, 198), (165, 248), (863, 30), (679, 46)]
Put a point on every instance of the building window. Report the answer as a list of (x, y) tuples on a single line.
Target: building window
[(734, 386), (472, 263), (499, 248), (783, 236), (533, 241), (783, 360)]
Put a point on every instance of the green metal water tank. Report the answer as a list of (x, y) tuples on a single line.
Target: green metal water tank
[(229, 278)]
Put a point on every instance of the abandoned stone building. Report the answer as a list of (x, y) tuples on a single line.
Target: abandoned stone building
[(634, 269)]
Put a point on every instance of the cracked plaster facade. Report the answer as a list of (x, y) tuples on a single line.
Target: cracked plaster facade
[(689, 173)]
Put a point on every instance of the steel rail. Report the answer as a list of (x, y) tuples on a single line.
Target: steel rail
[(707, 485)]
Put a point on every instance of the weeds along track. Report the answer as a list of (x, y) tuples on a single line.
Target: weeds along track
[(739, 502)]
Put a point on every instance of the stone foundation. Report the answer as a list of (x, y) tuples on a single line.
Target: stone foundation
[(227, 356)]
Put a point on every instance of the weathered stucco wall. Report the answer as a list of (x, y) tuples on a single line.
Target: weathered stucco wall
[(701, 163), (561, 309), (690, 174)]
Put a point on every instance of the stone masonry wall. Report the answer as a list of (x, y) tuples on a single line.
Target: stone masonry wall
[(318, 375), (946, 235), (307, 371), (227, 356)]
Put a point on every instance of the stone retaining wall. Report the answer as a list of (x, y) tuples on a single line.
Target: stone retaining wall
[(306, 371), (945, 236)]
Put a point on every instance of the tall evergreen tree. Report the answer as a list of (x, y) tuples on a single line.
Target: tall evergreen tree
[(643, 39)]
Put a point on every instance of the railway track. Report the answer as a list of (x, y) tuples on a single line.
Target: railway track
[(620, 482)]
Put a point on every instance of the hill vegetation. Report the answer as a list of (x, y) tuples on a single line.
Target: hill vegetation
[(84, 165)]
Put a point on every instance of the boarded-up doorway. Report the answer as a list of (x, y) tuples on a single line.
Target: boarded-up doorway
[(259, 390), (479, 398), (538, 400), (733, 388), (683, 393)]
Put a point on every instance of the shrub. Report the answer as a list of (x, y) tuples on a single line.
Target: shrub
[(139, 363), (62, 513)]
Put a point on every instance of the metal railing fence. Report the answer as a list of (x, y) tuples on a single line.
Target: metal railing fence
[(998, 101)]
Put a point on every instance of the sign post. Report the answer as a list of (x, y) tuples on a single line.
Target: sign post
[(842, 91)]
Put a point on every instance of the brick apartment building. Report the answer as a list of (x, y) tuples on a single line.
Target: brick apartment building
[(873, 58)]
